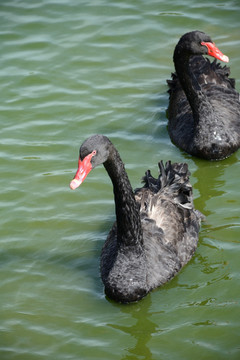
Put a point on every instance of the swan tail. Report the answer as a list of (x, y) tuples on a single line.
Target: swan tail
[(169, 175), (173, 179), (172, 185)]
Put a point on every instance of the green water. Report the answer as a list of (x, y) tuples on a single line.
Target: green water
[(70, 69)]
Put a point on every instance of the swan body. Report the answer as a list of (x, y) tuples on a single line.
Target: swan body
[(204, 107), (156, 228)]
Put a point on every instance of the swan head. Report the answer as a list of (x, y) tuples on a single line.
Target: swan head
[(93, 152), (199, 43)]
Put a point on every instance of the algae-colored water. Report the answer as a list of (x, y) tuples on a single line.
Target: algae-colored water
[(70, 69)]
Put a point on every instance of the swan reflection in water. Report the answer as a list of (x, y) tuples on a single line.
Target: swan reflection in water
[(142, 330)]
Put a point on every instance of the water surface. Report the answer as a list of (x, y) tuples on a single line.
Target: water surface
[(68, 70)]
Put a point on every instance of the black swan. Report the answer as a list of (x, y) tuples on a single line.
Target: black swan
[(156, 229), (204, 107)]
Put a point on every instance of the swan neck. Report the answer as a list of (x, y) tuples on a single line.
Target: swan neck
[(188, 80), (129, 229)]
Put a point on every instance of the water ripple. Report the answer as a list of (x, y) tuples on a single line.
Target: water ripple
[(69, 70)]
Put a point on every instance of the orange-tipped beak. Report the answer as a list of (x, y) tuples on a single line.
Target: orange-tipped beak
[(215, 52), (84, 168)]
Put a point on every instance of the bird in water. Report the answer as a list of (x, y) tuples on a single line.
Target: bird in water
[(156, 229), (204, 106)]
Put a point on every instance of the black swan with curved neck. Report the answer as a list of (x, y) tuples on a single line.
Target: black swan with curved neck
[(156, 228), (204, 107)]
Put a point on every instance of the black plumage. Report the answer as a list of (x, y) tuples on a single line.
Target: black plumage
[(156, 228), (204, 107)]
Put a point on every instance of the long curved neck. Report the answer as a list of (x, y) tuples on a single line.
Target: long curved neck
[(129, 229), (188, 80)]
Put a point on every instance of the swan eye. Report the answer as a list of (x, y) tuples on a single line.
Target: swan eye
[(94, 152)]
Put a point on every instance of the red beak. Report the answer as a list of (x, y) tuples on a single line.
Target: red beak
[(84, 168), (215, 52)]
